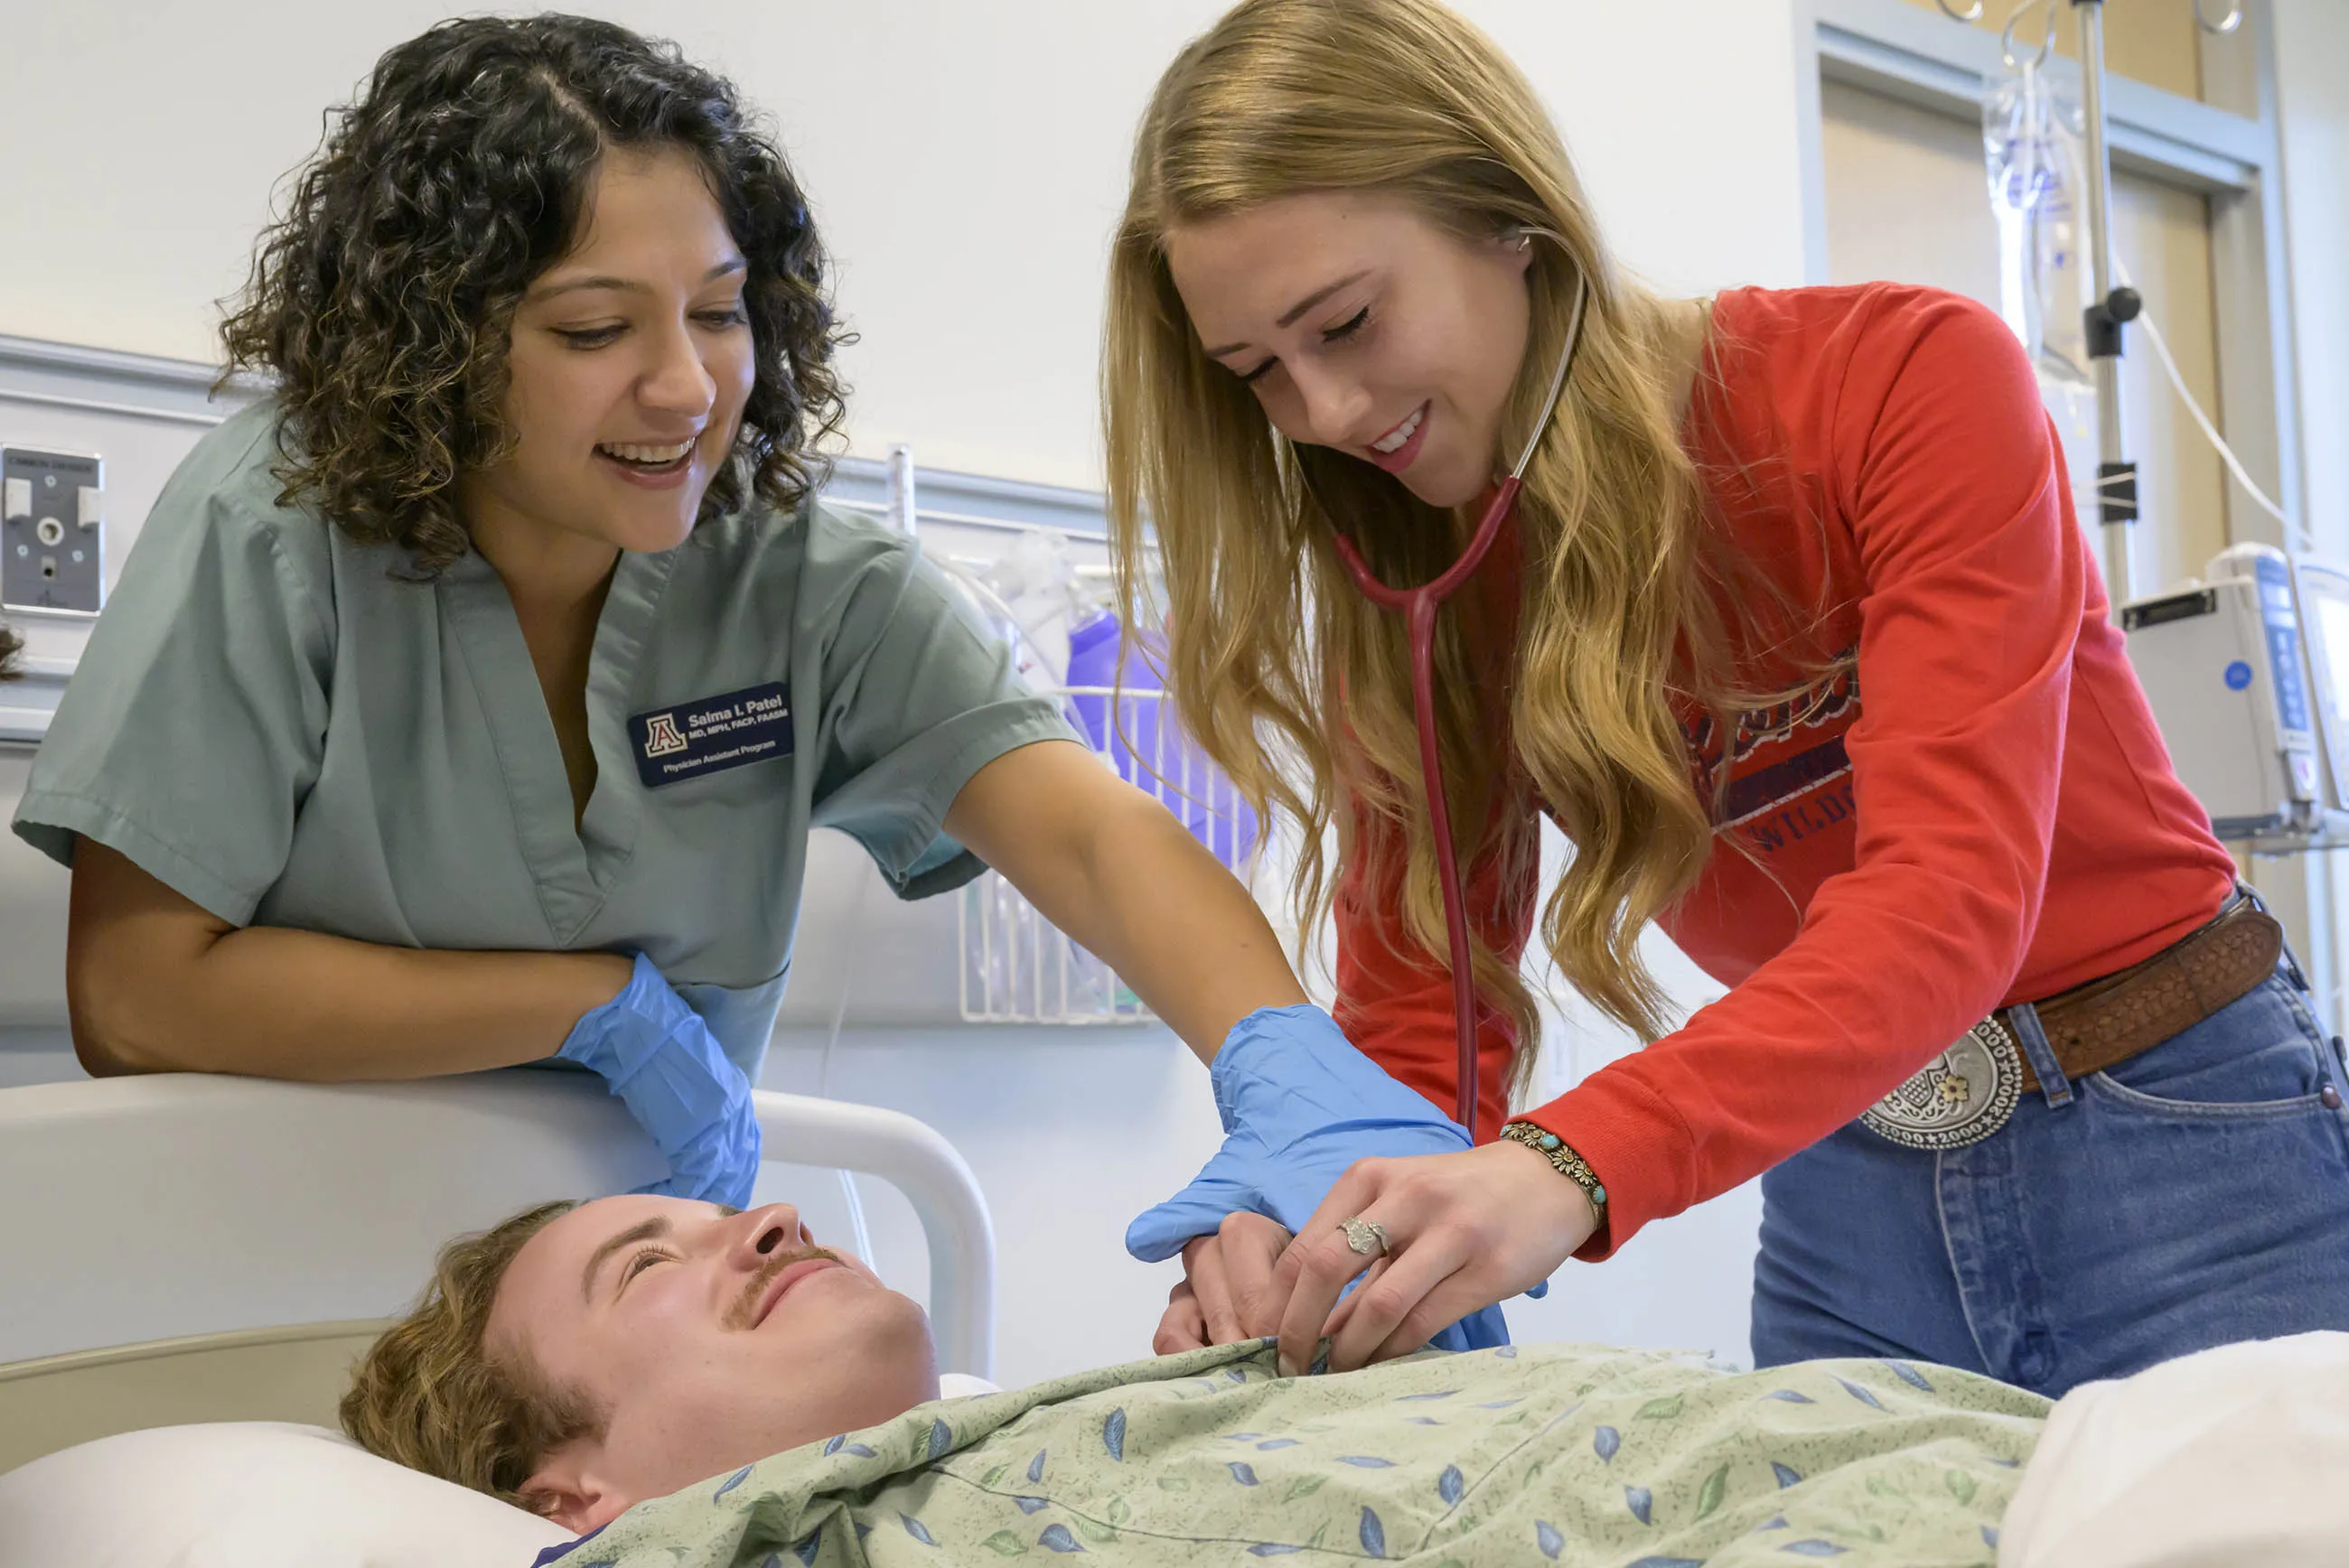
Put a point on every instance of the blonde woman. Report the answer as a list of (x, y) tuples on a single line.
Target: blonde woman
[(1795, 636)]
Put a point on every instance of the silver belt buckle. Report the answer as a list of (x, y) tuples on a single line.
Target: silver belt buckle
[(1960, 1097)]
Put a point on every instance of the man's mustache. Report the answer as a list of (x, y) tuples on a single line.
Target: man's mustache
[(746, 1310)]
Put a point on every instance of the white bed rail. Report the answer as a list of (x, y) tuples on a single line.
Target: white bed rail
[(139, 1209), (914, 1157)]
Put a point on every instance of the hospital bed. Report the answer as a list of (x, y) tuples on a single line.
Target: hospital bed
[(178, 1250), (181, 1248)]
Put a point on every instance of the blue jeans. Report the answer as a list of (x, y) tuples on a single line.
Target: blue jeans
[(2194, 1195)]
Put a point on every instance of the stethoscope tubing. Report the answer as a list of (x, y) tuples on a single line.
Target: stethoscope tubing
[(1419, 607)]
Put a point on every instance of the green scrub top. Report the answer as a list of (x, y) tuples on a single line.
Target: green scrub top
[(270, 719)]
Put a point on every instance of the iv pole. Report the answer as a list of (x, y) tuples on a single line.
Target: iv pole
[(2108, 310)]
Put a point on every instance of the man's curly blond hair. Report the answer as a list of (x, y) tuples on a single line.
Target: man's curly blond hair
[(429, 1394)]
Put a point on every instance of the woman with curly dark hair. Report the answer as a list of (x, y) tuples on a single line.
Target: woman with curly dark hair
[(471, 699)]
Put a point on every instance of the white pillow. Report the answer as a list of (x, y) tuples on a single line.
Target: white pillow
[(251, 1494), (963, 1386), (2223, 1457)]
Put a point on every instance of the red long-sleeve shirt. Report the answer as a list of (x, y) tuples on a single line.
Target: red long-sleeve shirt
[(1984, 814)]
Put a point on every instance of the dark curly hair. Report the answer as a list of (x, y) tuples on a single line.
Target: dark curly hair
[(11, 645), (384, 299)]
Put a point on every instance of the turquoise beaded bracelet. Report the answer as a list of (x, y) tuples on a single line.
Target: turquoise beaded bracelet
[(1561, 1155)]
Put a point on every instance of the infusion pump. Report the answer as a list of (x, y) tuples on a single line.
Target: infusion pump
[(2248, 672)]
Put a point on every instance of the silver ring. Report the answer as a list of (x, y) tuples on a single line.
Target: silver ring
[(1367, 1237)]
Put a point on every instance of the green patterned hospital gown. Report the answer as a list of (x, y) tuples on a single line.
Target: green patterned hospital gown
[(1570, 1454)]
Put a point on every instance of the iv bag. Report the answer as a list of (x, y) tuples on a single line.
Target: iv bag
[(1037, 581), (2032, 143)]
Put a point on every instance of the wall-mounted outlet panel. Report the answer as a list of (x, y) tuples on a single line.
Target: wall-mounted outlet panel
[(52, 529)]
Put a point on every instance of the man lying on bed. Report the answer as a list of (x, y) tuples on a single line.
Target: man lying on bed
[(645, 1356)]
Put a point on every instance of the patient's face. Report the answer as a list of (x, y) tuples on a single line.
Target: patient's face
[(712, 1337)]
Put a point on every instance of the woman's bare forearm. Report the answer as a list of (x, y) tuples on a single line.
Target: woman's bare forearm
[(1179, 928), (156, 983), (1121, 875)]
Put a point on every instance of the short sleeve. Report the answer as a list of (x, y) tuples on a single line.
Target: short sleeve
[(919, 695), (194, 722)]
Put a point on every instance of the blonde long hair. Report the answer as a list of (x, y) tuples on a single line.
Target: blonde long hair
[(1297, 687)]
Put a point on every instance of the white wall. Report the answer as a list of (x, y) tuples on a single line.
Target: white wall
[(2311, 61), (968, 164), (2312, 105), (966, 161)]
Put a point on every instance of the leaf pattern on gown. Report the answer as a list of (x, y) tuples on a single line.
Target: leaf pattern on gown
[(1860, 1393), (1710, 1495), (1149, 1494), (1907, 1374)]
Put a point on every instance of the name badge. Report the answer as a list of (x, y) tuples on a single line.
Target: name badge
[(712, 734)]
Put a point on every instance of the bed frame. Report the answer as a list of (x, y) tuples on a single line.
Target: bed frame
[(183, 1248)]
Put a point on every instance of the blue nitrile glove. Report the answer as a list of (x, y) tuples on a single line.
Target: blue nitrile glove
[(1300, 1104), (656, 1055)]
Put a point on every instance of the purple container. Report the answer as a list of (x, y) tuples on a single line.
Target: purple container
[(1150, 750)]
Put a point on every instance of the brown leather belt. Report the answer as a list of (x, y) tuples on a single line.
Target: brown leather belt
[(2092, 1027)]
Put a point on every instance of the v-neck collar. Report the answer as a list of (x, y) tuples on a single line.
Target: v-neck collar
[(572, 868)]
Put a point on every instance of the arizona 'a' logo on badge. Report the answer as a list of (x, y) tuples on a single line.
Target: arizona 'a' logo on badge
[(661, 738)]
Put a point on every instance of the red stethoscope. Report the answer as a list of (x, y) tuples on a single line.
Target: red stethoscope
[(1419, 607)]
